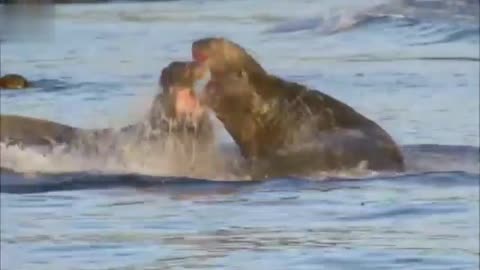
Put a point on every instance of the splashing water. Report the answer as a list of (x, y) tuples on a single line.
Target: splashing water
[(173, 154)]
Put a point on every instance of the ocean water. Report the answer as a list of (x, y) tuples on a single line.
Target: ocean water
[(411, 66)]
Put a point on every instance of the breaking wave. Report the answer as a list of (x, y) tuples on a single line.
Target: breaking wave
[(443, 21)]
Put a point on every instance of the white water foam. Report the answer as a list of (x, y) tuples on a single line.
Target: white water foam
[(127, 153)]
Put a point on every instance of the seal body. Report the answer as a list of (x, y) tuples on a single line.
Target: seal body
[(33, 131), (284, 127), (13, 81)]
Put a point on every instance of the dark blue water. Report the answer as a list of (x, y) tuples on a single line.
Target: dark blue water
[(412, 66)]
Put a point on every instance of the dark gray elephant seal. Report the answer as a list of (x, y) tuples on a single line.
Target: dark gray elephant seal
[(166, 118), (33, 131), (285, 128), (29, 131)]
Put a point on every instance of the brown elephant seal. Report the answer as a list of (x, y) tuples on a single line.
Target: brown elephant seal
[(286, 128), (13, 81), (297, 130)]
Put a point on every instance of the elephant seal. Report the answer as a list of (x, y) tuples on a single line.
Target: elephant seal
[(283, 127), (176, 109), (174, 112), (223, 56), (13, 81)]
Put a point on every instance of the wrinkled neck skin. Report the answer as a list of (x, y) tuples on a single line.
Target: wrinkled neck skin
[(265, 141), (260, 122), (242, 129), (260, 127)]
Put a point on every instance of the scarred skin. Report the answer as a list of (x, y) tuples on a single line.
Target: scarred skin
[(286, 128), (13, 81), (177, 100)]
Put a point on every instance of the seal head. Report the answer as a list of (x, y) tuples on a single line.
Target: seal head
[(13, 81)]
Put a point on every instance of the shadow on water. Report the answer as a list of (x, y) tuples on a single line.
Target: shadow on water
[(12, 182)]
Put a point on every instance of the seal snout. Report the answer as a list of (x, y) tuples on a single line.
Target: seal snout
[(198, 55)]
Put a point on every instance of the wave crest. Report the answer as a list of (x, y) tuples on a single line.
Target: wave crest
[(457, 16)]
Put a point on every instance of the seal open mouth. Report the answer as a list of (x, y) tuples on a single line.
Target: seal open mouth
[(186, 103), (199, 56), (185, 100)]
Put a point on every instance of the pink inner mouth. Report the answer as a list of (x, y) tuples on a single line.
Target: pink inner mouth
[(186, 104)]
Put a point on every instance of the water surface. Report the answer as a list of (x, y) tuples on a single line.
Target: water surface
[(411, 66)]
